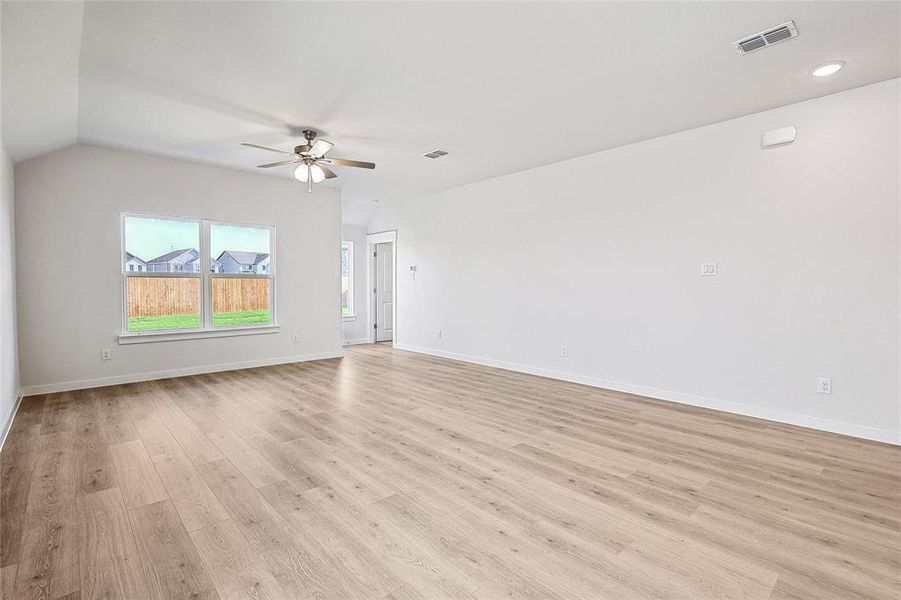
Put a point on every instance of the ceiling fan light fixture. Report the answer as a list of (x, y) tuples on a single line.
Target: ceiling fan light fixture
[(309, 173), (317, 173)]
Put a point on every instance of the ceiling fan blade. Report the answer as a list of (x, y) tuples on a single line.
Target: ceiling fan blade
[(320, 147), (265, 148), (279, 163), (343, 162), (329, 174)]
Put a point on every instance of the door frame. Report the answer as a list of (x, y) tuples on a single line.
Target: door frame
[(372, 239)]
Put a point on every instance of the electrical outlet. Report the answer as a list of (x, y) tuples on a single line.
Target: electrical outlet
[(295, 338), (824, 385), (564, 351), (708, 269), (105, 354)]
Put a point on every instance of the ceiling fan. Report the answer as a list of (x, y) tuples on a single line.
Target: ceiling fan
[(311, 160)]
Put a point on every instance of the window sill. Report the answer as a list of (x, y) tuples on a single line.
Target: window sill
[(144, 337), (348, 317)]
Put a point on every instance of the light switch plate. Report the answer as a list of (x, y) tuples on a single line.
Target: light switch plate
[(708, 269)]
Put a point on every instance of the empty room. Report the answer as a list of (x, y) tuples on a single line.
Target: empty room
[(472, 300)]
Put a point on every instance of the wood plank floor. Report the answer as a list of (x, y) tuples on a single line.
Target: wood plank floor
[(388, 474)]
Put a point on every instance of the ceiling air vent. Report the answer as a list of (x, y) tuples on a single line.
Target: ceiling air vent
[(435, 154), (767, 37)]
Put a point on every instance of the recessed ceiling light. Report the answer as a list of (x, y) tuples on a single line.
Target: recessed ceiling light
[(827, 69)]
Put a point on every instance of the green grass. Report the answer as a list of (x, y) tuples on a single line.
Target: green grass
[(247, 317), (163, 322)]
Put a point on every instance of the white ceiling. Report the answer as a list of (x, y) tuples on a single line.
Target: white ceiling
[(40, 46), (502, 86)]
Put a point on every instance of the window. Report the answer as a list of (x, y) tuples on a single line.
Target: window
[(242, 289), (165, 288), (347, 279), (169, 299)]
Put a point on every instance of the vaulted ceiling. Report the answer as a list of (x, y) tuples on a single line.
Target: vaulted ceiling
[(501, 86)]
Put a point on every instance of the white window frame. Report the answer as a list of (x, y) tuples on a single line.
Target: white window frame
[(351, 314), (205, 274)]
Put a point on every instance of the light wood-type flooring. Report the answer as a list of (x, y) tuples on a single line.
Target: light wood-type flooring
[(388, 474)]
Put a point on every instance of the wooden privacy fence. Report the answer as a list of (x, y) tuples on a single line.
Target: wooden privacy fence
[(161, 296), (234, 294)]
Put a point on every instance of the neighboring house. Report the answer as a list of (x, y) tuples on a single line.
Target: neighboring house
[(234, 261), (133, 263), (186, 260), (215, 267)]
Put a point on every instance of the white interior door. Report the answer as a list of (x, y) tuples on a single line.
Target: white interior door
[(384, 292)]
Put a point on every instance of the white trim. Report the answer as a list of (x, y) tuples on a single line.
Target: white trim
[(781, 416), (67, 386), (381, 236), (346, 318), (356, 341), (12, 416), (351, 263), (171, 335)]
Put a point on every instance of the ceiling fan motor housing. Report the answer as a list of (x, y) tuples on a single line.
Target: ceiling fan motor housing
[(302, 148)]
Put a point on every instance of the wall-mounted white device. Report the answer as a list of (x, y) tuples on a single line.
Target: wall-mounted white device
[(412, 271), (778, 137), (708, 269)]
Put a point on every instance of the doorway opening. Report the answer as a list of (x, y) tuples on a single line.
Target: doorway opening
[(382, 287)]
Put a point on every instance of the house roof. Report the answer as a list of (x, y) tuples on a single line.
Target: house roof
[(245, 258), (130, 256), (171, 255)]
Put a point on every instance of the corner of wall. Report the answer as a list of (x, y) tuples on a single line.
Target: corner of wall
[(8, 419), (10, 390)]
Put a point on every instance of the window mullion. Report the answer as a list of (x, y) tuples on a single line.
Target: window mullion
[(206, 281)]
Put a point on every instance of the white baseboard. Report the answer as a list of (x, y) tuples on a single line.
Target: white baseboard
[(12, 415), (82, 384), (356, 341), (781, 416)]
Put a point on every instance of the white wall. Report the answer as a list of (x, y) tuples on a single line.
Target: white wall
[(9, 365), (354, 330), (603, 254), (68, 251)]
